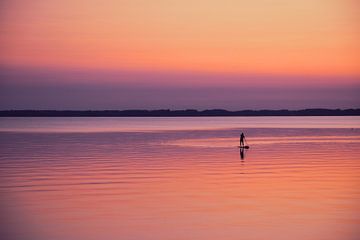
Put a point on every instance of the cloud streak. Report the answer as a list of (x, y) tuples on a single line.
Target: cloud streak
[(84, 89)]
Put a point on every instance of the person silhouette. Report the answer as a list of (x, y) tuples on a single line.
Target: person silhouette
[(242, 138)]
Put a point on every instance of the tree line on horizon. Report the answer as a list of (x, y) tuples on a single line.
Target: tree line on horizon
[(178, 113)]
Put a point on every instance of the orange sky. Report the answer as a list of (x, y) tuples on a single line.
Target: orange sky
[(261, 36), (172, 54)]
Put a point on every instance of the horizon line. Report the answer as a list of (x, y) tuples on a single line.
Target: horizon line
[(180, 113)]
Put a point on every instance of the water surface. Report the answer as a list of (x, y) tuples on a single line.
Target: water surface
[(180, 178)]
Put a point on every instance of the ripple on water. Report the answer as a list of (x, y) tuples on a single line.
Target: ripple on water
[(304, 180)]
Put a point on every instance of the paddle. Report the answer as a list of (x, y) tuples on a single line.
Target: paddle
[(246, 142)]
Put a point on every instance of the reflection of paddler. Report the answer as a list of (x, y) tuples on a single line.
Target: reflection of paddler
[(242, 153)]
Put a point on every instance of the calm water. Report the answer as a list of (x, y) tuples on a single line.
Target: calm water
[(180, 178)]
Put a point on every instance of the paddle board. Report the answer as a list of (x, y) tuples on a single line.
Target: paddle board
[(246, 147)]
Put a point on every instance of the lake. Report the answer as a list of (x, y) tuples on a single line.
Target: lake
[(180, 178)]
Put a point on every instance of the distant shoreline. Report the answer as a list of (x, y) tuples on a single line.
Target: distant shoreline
[(179, 113)]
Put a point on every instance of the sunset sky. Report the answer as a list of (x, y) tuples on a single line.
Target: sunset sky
[(125, 54)]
